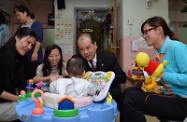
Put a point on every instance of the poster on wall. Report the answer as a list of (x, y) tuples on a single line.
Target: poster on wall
[(64, 29)]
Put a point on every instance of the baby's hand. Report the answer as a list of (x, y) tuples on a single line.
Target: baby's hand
[(60, 76), (55, 77)]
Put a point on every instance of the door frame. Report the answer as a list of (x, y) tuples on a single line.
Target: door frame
[(75, 25), (113, 11)]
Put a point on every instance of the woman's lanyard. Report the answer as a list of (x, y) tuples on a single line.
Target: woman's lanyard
[(160, 56)]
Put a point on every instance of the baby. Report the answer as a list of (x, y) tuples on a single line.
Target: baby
[(75, 85)]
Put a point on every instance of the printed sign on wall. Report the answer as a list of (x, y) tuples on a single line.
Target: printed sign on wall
[(64, 29)]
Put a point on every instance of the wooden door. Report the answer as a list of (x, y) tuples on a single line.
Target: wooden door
[(113, 10)]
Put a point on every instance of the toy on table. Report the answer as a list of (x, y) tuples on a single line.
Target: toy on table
[(66, 108), (23, 95), (41, 84), (99, 111), (38, 109), (102, 81), (66, 111), (153, 68), (30, 88), (109, 98)]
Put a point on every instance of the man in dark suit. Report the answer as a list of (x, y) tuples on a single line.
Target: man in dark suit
[(102, 61)]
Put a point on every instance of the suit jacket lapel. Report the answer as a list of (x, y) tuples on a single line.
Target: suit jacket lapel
[(87, 66), (99, 61)]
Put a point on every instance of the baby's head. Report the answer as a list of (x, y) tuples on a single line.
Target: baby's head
[(75, 67)]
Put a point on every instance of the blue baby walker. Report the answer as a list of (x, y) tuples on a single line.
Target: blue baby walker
[(103, 108)]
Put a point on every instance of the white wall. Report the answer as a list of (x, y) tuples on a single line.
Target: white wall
[(138, 11), (68, 12), (68, 15)]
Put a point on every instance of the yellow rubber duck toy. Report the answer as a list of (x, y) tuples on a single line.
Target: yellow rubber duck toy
[(153, 68)]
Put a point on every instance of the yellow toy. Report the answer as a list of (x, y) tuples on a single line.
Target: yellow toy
[(153, 68), (109, 98)]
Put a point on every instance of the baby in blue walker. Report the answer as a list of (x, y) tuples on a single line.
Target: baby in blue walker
[(81, 97), (82, 87)]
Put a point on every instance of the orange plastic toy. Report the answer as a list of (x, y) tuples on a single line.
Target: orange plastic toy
[(38, 109)]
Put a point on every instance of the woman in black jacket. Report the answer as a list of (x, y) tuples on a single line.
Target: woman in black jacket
[(13, 71)]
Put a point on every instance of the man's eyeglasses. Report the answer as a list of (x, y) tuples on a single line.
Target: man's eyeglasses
[(146, 31)]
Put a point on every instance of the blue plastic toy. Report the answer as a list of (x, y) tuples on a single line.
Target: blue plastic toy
[(95, 112), (103, 109), (40, 84), (66, 103)]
